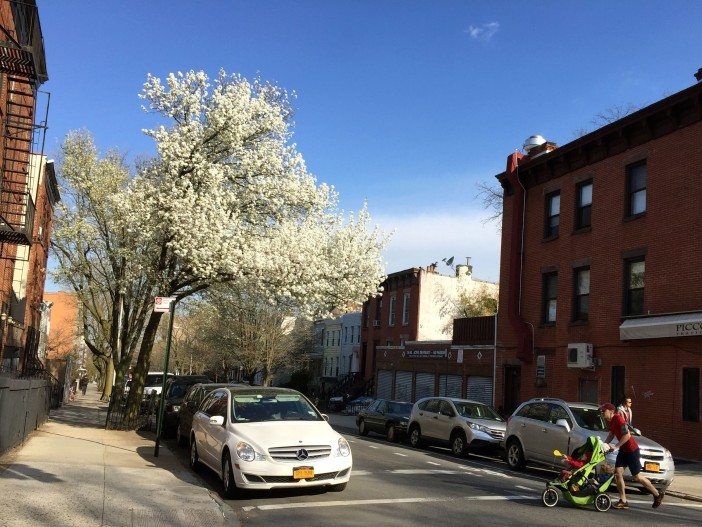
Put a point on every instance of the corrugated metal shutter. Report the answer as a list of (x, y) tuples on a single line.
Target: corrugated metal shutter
[(424, 385), (384, 384), (451, 386), (480, 389), (403, 386)]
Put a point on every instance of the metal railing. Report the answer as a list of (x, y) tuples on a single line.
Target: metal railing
[(117, 413)]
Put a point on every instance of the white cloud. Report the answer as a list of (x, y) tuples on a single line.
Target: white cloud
[(485, 32), (421, 239)]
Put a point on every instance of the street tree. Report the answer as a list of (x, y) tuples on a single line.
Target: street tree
[(228, 198)]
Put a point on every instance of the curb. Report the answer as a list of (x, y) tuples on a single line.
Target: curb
[(683, 496)]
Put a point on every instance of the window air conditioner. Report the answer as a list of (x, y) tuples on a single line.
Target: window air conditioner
[(580, 356)]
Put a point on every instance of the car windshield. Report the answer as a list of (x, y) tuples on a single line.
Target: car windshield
[(589, 418), (477, 411), (153, 380), (400, 408), (252, 408)]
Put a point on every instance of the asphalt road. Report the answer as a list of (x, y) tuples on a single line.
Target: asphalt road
[(396, 485)]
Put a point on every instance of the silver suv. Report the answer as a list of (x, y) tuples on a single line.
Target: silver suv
[(459, 423), (540, 426)]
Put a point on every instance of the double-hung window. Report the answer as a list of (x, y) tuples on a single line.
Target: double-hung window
[(636, 189), (391, 316), (405, 309), (634, 284), (581, 287), (583, 205), (550, 294), (553, 214)]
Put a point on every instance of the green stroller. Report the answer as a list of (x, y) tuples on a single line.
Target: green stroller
[(584, 486)]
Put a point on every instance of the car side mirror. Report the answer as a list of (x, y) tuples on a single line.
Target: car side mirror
[(217, 420), (325, 417), (564, 424)]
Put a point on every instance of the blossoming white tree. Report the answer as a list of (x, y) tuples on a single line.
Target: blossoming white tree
[(229, 198)]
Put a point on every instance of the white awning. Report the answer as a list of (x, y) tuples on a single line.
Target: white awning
[(666, 326)]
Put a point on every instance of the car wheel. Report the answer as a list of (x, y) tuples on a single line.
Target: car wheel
[(194, 457), (458, 444), (228, 482), (550, 497), (515, 456), (362, 428), (391, 433), (603, 502), (415, 437)]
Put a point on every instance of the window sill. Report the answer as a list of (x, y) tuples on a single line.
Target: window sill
[(582, 230), (579, 323), (549, 238), (634, 217), (545, 325)]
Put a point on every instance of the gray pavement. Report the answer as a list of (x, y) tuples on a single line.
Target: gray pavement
[(72, 472)]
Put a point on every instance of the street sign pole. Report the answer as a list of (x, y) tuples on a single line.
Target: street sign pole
[(159, 422)]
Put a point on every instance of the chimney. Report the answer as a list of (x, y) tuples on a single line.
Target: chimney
[(698, 75)]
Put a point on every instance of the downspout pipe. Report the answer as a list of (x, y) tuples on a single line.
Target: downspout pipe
[(525, 342)]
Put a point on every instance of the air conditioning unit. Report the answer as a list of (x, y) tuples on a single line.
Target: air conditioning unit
[(376, 323), (580, 356)]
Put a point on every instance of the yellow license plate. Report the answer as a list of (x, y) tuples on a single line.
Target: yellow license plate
[(652, 467), (303, 473)]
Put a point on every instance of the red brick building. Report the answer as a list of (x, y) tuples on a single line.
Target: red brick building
[(601, 275), (28, 188)]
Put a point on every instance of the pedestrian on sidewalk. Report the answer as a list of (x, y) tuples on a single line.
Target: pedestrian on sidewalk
[(83, 384), (625, 409), (629, 456)]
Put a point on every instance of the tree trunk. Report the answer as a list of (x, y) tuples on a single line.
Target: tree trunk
[(109, 374), (141, 369)]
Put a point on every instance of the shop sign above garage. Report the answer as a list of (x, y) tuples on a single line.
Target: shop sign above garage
[(665, 326), (425, 354)]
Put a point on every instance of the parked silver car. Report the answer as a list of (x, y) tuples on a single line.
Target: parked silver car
[(540, 426), (462, 424)]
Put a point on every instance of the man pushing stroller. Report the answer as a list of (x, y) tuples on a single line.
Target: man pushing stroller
[(628, 456)]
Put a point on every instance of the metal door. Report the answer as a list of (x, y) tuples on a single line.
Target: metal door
[(479, 389), (424, 385), (451, 386), (403, 386), (384, 384)]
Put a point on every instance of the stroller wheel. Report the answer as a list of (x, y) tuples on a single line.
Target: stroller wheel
[(603, 502), (550, 497)]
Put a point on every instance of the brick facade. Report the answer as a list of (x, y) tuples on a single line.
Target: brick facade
[(667, 136)]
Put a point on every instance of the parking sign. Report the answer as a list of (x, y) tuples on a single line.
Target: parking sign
[(162, 304)]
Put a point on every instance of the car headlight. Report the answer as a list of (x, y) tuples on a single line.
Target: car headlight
[(246, 452), (668, 455), (479, 428), (344, 448)]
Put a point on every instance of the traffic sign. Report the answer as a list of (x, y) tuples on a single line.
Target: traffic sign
[(162, 304)]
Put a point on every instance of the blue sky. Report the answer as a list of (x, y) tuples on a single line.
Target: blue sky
[(404, 103)]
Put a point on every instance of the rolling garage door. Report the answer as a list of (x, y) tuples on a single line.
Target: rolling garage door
[(451, 386), (403, 386), (424, 385), (480, 389), (384, 384)]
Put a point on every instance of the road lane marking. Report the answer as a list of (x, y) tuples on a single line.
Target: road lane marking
[(361, 473), (524, 488), (432, 463), (352, 503), (398, 454), (373, 447)]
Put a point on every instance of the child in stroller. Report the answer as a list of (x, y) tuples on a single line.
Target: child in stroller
[(587, 483)]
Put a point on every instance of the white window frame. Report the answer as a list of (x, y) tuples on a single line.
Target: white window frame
[(405, 308), (391, 316)]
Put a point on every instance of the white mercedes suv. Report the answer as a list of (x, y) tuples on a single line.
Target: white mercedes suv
[(264, 438)]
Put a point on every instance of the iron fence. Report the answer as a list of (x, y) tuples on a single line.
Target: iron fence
[(118, 417)]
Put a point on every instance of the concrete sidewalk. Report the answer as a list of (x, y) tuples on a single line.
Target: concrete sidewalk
[(688, 474), (73, 472)]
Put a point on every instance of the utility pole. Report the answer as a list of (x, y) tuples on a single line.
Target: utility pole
[(163, 305)]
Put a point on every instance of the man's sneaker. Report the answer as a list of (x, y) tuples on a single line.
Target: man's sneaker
[(658, 499), (621, 505)]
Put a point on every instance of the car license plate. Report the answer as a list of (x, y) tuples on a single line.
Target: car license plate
[(652, 467), (303, 472)]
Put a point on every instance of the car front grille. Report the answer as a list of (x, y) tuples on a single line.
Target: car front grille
[(497, 434), (652, 455), (290, 453), (290, 479)]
